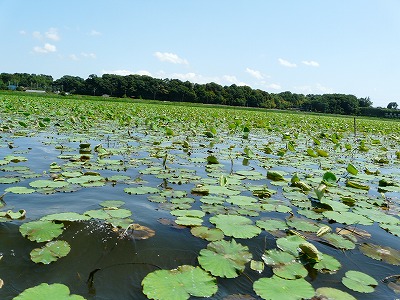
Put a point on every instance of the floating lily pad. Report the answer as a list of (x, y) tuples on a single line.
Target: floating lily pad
[(275, 257), (19, 190), (359, 282), (48, 184), (209, 234), (65, 216), (179, 284), (291, 270), (112, 203), (141, 190), (257, 266), (333, 294), (338, 241), (327, 264), (272, 224), (386, 254), (189, 221), (41, 231), (290, 244), (224, 258), (236, 226), (50, 252), (48, 291), (273, 288)]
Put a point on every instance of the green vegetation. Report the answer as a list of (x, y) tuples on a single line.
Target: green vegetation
[(175, 90), (265, 201)]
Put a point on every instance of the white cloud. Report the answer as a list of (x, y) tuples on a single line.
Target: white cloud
[(310, 63), (94, 33), (47, 48), (254, 73), (37, 35), (52, 34), (73, 57), (22, 32), (88, 55), (170, 57), (286, 63), (232, 80), (274, 86), (314, 89), (123, 72)]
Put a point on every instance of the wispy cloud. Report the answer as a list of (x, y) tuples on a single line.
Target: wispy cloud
[(256, 74), (37, 35), (123, 72), (22, 32), (47, 48), (73, 57), (316, 88), (94, 33), (230, 79), (52, 34), (274, 86), (286, 63), (88, 55), (170, 57), (310, 63)]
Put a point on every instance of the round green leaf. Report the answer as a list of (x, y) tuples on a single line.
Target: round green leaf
[(41, 231), (224, 259), (179, 284), (359, 282), (65, 216), (209, 234), (333, 294), (48, 291), (236, 226), (19, 190), (274, 288), (50, 252)]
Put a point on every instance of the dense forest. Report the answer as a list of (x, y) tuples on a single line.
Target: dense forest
[(147, 87)]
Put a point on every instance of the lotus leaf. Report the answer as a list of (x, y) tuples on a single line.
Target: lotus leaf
[(15, 215), (241, 200), (393, 229), (209, 234), (291, 270), (236, 226), (273, 288), (271, 224), (48, 184), (338, 241), (188, 213), (276, 257), (386, 254), (352, 169), (50, 252), (48, 291), (329, 179), (65, 216), (275, 175), (224, 258), (141, 190), (189, 221), (333, 294), (257, 266), (290, 244), (9, 180), (180, 283), (19, 190), (359, 282), (220, 190), (41, 231), (327, 264), (112, 203), (346, 217), (302, 224)]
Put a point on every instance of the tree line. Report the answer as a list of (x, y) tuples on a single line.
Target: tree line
[(147, 87)]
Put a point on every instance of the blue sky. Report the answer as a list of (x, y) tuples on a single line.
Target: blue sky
[(309, 46)]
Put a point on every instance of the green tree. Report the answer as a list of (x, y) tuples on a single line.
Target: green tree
[(392, 105)]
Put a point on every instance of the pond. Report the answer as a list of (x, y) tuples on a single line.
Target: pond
[(238, 201)]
